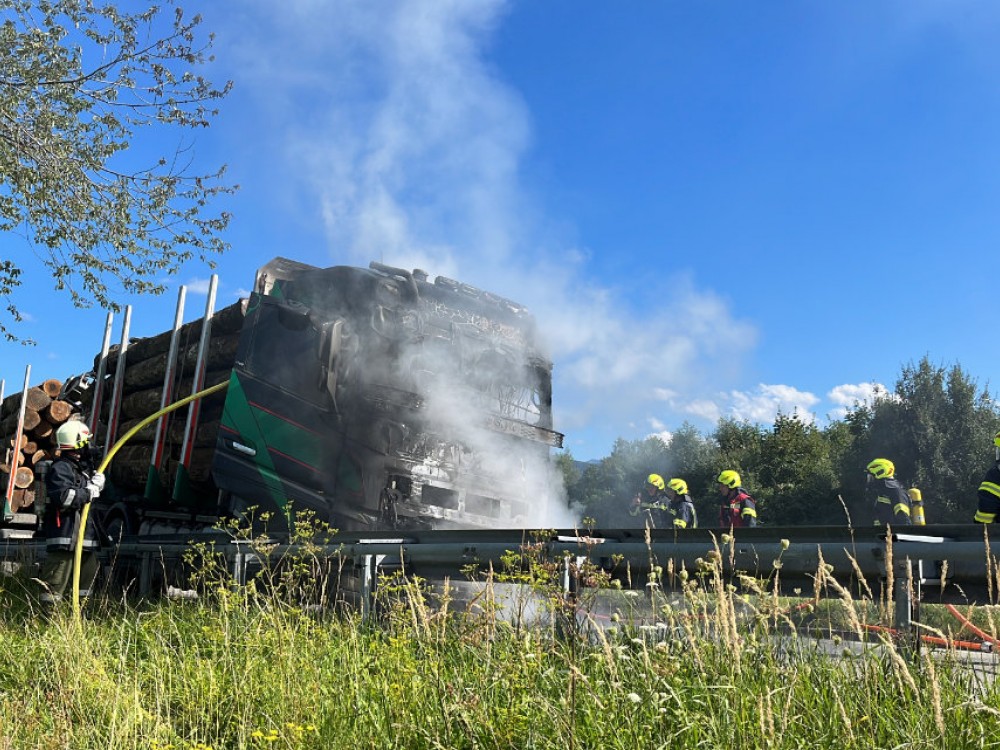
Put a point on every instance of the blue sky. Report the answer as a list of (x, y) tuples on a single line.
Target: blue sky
[(713, 208)]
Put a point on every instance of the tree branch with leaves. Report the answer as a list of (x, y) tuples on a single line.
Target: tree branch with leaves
[(79, 81)]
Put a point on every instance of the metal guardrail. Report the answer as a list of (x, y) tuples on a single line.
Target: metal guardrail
[(942, 563), (933, 563)]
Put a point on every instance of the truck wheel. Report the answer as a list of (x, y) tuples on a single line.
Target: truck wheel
[(118, 524), (119, 574)]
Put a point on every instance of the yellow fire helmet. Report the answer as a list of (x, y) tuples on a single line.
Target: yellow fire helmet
[(678, 485), (729, 478), (881, 468), (656, 480)]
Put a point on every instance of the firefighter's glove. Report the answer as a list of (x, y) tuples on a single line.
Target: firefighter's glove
[(95, 485)]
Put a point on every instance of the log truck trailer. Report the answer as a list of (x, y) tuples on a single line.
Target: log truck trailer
[(374, 398)]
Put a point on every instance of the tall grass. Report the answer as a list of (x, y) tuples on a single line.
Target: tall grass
[(726, 665)]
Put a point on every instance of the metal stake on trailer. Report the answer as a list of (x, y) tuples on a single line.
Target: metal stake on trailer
[(153, 484), (181, 481), (116, 395), (102, 366), (9, 495)]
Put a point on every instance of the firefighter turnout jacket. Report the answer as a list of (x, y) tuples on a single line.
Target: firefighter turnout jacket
[(989, 496), (66, 487), (738, 509), (681, 513), (890, 502)]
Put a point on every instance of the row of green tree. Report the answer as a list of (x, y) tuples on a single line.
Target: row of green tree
[(937, 426)]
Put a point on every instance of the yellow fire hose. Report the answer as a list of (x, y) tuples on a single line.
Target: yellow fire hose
[(78, 552)]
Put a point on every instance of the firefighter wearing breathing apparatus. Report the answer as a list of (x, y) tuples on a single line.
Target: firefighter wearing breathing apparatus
[(989, 489), (652, 502), (738, 508), (680, 511), (70, 484), (917, 515), (890, 500)]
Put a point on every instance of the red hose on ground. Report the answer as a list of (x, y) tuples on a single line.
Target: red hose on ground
[(933, 640), (968, 624)]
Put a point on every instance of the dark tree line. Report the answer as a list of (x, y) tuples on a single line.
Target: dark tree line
[(937, 426)]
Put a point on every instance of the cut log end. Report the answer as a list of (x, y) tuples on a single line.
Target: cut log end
[(52, 387), (58, 412), (23, 478)]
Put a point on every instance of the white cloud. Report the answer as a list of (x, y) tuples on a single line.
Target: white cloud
[(847, 396), (660, 430), (759, 406), (705, 409), (665, 394), (763, 405)]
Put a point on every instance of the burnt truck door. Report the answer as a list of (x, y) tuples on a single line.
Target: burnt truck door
[(279, 436)]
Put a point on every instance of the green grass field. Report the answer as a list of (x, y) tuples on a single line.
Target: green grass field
[(732, 665)]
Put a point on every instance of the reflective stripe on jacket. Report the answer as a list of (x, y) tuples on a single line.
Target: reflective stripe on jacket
[(989, 496), (682, 512), (738, 510), (67, 493), (890, 502)]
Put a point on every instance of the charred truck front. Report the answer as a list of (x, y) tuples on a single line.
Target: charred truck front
[(379, 399)]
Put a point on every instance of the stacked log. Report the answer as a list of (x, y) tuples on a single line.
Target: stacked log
[(146, 361), (43, 414)]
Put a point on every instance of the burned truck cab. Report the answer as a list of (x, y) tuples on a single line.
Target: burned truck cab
[(380, 399)]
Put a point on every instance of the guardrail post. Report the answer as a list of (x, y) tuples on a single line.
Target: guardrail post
[(902, 597), (907, 591), (240, 562), (145, 573), (569, 581), (239, 571), (369, 585), (566, 610), (571, 576)]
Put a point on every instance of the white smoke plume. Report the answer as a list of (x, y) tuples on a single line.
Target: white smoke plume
[(411, 154)]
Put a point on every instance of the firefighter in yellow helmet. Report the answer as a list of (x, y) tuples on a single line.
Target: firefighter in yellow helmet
[(889, 499), (652, 502), (70, 484), (738, 508), (681, 508), (989, 489)]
